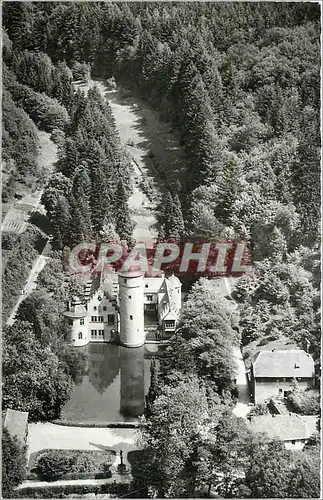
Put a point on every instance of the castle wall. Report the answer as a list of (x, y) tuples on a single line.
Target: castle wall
[(103, 319)]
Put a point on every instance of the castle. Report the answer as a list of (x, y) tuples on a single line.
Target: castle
[(115, 305)]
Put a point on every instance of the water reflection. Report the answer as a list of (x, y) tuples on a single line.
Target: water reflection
[(113, 387), (132, 386), (103, 365)]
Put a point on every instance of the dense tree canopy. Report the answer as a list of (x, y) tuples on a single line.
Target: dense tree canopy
[(240, 83)]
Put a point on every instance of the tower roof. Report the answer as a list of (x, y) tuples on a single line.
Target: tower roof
[(76, 311), (174, 281), (130, 274)]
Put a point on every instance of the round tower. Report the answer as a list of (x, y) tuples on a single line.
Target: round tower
[(77, 319), (131, 303)]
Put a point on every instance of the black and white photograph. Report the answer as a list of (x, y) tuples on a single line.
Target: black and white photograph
[(161, 249)]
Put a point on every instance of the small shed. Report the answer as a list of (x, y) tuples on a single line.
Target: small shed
[(16, 423)]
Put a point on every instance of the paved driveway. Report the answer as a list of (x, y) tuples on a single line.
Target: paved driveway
[(241, 409)]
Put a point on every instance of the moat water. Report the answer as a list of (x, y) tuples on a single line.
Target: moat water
[(113, 386)]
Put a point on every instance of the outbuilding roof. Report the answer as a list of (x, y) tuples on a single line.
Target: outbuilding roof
[(284, 427), (291, 363)]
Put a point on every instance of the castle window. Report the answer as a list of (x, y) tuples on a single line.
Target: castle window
[(94, 308), (170, 323), (93, 334), (100, 319), (70, 322), (101, 333), (80, 335), (296, 365), (131, 317), (125, 281), (94, 319), (82, 321), (129, 296), (104, 308), (110, 319), (146, 286), (293, 441), (150, 298)]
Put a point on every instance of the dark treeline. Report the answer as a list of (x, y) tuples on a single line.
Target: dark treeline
[(240, 81)]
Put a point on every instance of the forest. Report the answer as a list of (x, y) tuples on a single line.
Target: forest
[(240, 83)]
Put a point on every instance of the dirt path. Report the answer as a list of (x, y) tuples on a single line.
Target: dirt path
[(132, 138)]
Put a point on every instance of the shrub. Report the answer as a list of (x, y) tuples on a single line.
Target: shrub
[(72, 464), (53, 466), (304, 402), (20, 258), (81, 71), (111, 83), (258, 410)]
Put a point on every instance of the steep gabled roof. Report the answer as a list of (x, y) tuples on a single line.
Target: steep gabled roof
[(283, 364)]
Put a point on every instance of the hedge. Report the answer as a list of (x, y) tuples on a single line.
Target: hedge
[(32, 476), (53, 465), (116, 490), (102, 425)]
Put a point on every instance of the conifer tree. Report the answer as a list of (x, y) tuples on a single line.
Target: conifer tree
[(61, 221)]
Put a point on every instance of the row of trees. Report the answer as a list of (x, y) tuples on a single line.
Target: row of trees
[(247, 107), (89, 192)]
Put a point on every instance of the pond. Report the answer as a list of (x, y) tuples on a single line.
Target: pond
[(113, 387)]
